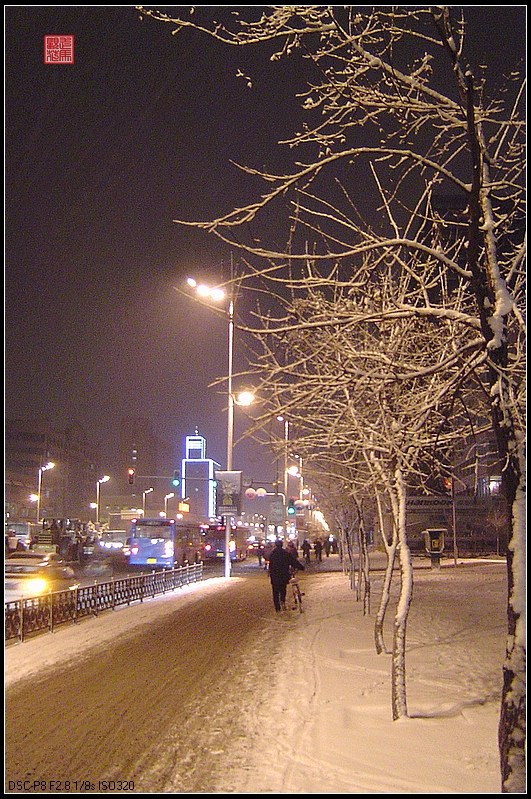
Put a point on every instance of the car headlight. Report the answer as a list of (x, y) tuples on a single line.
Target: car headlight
[(37, 585)]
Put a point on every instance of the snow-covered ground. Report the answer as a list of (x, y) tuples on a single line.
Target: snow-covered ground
[(323, 722)]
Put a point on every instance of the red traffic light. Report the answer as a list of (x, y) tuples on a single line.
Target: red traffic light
[(131, 474)]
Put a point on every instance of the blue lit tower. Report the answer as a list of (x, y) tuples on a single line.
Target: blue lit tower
[(198, 478)]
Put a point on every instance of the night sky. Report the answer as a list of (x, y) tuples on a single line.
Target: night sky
[(101, 156)]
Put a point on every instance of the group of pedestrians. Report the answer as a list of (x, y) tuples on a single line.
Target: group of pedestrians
[(318, 549)]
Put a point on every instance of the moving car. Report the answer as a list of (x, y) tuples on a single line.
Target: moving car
[(32, 573)]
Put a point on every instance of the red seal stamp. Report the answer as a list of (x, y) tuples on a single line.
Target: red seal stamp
[(59, 49)]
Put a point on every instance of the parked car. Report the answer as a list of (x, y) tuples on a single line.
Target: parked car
[(32, 573)]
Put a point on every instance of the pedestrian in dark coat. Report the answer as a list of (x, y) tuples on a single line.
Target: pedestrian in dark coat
[(280, 562), (292, 549), (318, 547)]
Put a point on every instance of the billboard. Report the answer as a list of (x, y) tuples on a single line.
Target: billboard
[(228, 493)]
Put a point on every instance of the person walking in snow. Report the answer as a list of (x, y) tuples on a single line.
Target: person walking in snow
[(292, 549), (318, 547), (280, 562)]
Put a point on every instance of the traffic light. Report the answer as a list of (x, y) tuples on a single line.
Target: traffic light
[(449, 485), (131, 475), (176, 479), (291, 507)]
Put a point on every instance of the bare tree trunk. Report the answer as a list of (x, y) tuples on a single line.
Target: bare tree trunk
[(390, 549), (384, 601), (398, 673), (512, 725), (363, 570), (347, 556)]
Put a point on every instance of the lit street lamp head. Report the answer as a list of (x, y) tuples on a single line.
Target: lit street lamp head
[(206, 292), (244, 398)]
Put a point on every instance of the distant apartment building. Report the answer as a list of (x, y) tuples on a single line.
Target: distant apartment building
[(70, 489), (153, 462), (67, 490)]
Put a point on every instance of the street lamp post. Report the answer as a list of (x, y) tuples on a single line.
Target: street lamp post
[(42, 469), (147, 491), (104, 479), (244, 398), (286, 444), (230, 417), (216, 294), (166, 498), (296, 471)]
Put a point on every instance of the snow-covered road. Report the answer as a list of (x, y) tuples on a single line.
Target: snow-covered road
[(159, 705)]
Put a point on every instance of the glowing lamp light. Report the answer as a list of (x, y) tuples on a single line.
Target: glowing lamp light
[(250, 493), (261, 492), (202, 290), (245, 398)]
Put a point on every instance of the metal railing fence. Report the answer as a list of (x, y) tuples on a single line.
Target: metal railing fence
[(37, 614)]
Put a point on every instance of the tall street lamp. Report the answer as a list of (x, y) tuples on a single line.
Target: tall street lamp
[(286, 444), (42, 469), (216, 295), (104, 479), (147, 491), (166, 498), (296, 471)]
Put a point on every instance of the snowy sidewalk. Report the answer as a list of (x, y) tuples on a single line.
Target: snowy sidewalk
[(327, 725)]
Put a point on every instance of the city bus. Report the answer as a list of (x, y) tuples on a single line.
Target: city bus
[(162, 543), (213, 542)]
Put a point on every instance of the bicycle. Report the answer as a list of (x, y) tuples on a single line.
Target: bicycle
[(296, 591)]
